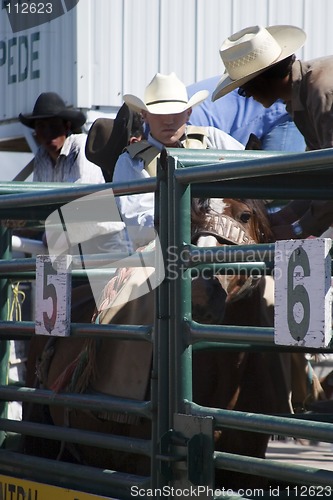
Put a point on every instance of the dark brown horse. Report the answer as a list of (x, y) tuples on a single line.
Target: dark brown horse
[(244, 381), (258, 382), (235, 380)]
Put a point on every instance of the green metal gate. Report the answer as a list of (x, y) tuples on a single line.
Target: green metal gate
[(181, 447)]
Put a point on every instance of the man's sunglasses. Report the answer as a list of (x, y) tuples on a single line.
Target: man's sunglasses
[(248, 86), (242, 92)]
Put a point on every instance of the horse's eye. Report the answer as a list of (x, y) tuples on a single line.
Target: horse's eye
[(245, 217)]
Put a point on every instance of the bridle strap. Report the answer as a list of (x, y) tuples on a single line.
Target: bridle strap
[(220, 239), (225, 229)]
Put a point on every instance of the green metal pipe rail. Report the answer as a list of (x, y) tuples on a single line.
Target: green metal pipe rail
[(179, 179), (182, 174), (79, 477), (17, 269), (90, 402)]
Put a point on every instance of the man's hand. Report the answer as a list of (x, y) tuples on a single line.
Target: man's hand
[(284, 232)]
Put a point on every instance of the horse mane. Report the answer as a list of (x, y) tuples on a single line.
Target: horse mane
[(261, 220), (199, 209)]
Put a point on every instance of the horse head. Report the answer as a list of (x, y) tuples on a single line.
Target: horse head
[(230, 221), (227, 221)]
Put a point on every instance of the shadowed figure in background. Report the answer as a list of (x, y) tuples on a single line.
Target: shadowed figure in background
[(108, 138)]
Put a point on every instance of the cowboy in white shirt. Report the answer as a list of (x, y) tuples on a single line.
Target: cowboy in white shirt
[(166, 109), (60, 156)]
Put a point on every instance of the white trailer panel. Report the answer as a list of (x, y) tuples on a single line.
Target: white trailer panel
[(100, 49)]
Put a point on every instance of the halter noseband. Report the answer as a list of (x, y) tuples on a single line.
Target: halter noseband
[(225, 229)]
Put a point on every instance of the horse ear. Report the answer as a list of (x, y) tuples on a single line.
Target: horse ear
[(254, 143)]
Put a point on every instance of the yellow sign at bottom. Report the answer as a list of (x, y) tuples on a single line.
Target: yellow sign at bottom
[(20, 489)]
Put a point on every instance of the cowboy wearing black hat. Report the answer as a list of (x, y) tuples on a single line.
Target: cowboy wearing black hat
[(60, 156)]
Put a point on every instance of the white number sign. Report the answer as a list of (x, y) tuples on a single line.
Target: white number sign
[(303, 294), (53, 295)]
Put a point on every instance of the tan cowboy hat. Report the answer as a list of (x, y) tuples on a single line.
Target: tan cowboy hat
[(165, 95), (252, 50), (51, 105)]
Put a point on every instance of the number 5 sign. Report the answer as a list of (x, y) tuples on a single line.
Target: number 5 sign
[(303, 296), (53, 295)]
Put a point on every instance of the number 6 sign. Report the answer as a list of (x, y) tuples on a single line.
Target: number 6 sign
[(53, 295), (303, 296)]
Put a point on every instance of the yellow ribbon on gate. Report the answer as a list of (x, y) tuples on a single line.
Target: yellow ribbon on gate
[(14, 307)]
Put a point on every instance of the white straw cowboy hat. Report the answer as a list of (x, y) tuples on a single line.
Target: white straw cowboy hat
[(165, 95), (251, 51)]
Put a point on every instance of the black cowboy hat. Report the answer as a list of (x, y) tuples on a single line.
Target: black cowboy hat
[(50, 105), (107, 138)]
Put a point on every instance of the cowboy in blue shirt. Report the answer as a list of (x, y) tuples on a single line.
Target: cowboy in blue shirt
[(240, 117)]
